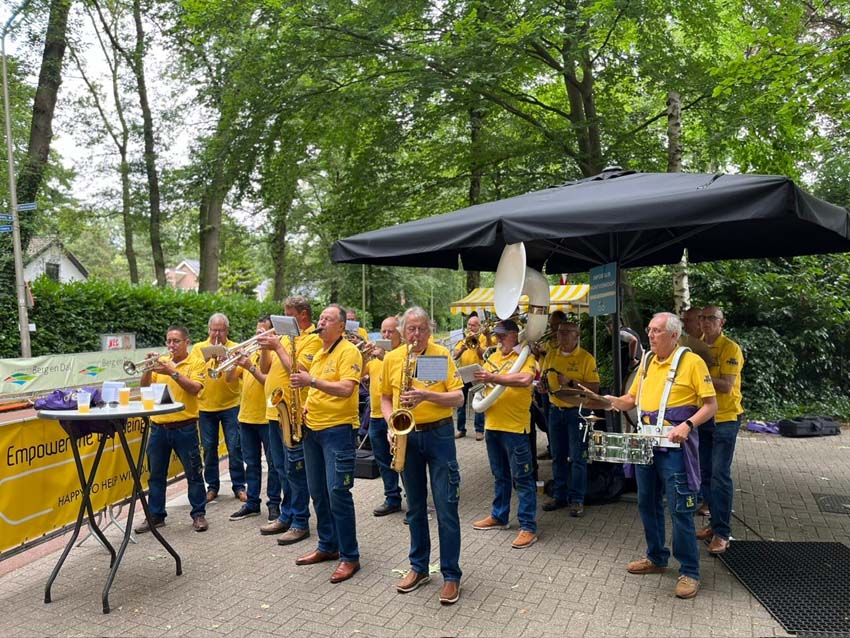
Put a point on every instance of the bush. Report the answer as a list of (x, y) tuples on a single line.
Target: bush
[(71, 317)]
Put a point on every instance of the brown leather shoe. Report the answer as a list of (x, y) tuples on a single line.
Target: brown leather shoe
[(274, 527), (479, 436), (686, 587), (199, 523), (293, 535), (450, 592), (211, 495), (489, 523), (645, 566), (242, 495), (411, 582), (705, 533), (460, 435), (718, 545), (345, 570), (316, 557), (155, 521), (524, 539)]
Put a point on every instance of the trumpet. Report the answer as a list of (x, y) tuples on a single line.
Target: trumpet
[(140, 367), (234, 353)]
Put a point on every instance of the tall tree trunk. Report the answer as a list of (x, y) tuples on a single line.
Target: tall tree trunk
[(150, 151), (209, 230), (41, 130), (476, 118), (278, 254), (674, 132)]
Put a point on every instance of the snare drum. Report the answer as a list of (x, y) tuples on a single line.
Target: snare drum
[(617, 447)]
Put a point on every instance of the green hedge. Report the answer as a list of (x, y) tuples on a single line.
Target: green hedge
[(71, 317)]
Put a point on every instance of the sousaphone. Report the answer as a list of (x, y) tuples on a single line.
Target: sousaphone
[(513, 280)]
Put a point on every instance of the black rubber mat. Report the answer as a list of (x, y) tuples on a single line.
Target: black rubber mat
[(833, 503), (804, 585)]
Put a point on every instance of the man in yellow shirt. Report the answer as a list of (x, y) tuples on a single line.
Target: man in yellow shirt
[(219, 404), (377, 424), (469, 351), (254, 434), (717, 439), (687, 401), (177, 432), (329, 450), (430, 450), (565, 365), (276, 363), (507, 424)]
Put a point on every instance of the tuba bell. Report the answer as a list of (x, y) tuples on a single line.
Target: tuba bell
[(513, 280)]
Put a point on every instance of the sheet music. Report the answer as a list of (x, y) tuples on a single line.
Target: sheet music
[(432, 368), (467, 373), (284, 325), (217, 351), (161, 395)]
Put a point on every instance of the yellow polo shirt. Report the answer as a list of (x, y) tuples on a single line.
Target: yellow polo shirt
[(510, 412), (277, 377), (218, 394), (190, 367), (340, 363), (729, 359), (425, 412), (252, 408), (691, 385), (578, 365), (470, 357)]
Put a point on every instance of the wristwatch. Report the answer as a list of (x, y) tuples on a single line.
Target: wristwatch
[(252, 369), (312, 382), (690, 424), (174, 375)]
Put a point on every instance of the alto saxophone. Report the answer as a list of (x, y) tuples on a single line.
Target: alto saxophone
[(402, 422), (296, 414)]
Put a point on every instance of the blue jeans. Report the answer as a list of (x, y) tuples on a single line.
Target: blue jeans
[(255, 438), (666, 478), (381, 450), (510, 462), (716, 448), (461, 413), (292, 475), (433, 453), (329, 456), (209, 441), (566, 441), (184, 443)]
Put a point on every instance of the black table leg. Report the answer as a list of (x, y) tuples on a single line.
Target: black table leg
[(93, 524), (85, 505), (138, 492)]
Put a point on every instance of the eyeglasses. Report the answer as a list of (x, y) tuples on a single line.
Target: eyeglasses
[(708, 318), (655, 331), (169, 342), (419, 329)]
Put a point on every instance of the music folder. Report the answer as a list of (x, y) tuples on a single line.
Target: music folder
[(467, 373)]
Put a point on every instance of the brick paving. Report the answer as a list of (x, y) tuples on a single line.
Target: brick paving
[(571, 583)]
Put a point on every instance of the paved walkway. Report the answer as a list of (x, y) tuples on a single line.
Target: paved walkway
[(571, 583)]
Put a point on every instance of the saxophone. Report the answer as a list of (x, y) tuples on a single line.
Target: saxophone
[(296, 414), (402, 422)]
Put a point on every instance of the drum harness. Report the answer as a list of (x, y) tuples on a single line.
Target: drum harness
[(660, 429)]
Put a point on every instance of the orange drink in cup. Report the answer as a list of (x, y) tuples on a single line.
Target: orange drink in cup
[(83, 402)]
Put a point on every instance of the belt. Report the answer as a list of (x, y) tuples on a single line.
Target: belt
[(432, 425), (176, 425), (562, 409)]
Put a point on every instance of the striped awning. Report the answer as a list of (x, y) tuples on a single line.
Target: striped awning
[(567, 298)]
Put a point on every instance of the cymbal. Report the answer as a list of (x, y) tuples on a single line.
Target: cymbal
[(593, 418)]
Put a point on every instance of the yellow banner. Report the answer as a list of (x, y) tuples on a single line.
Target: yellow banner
[(39, 487)]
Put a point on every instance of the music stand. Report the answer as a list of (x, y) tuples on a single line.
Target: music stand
[(106, 422)]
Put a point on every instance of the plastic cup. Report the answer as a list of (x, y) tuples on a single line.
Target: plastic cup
[(83, 402), (123, 396), (147, 398)]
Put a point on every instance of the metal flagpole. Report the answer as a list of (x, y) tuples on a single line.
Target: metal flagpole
[(23, 317)]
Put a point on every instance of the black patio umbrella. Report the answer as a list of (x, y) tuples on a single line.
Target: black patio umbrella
[(623, 217), (634, 219)]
